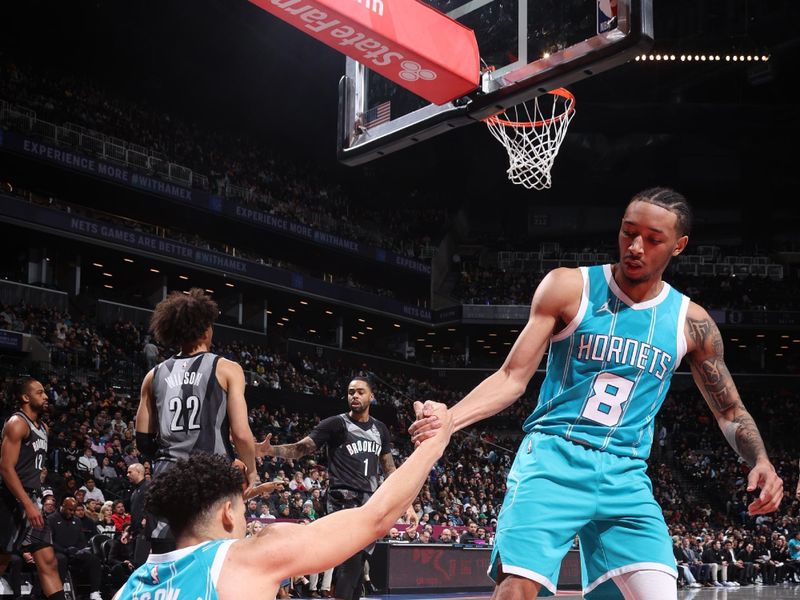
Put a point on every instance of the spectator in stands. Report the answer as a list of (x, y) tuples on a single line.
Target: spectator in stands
[(446, 536), (749, 558), (91, 491), (424, 537), (72, 550), (252, 511), (49, 505), (87, 525), (120, 516), (471, 533), (92, 510), (105, 524), (764, 560), (150, 351), (87, 463), (105, 471)]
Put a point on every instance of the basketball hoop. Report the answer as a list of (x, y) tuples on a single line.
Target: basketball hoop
[(532, 138)]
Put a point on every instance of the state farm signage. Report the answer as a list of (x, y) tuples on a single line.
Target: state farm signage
[(405, 41)]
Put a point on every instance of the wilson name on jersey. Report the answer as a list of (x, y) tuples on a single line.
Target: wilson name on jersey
[(609, 370), (191, 406)]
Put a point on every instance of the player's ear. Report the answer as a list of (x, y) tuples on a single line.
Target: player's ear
[(680, 245), (228, 518)]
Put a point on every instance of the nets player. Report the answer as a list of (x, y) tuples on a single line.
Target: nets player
[(358, 447), (193, 401), (616, 333), (22, 456), (202, 498)]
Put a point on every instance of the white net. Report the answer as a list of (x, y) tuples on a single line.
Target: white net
[(532, 133)]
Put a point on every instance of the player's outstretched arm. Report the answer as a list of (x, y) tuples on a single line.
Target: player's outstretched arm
[(556, 301), (285, 549), (705, 353), (297, 450)]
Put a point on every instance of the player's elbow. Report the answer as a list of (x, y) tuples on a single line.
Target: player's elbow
[(513, 384), (379, 520)]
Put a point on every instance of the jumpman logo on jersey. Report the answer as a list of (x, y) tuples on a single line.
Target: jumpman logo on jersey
[(604, 308)]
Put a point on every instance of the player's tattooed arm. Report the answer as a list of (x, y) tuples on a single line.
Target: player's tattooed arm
[(387, 464), (299, 449), (716, 384)]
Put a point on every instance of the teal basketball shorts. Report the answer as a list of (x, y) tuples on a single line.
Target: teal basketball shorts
[(557, 489)]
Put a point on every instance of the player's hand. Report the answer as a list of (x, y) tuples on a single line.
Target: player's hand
[(28, 558), (264, 448), (411, 517), (434, 421), (261, 489), (763, 476), (427, 423), (34, 515)]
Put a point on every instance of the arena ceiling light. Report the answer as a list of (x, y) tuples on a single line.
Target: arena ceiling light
[(279, 323), (107, 275), (98, 265), (291, 310), (396, 325), (184, 277), (303, 302), (229, 284), (128, 260), (152, 270), (109, 286), (328, 312)]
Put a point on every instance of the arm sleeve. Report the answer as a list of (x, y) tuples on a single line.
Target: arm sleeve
[(328, 428)]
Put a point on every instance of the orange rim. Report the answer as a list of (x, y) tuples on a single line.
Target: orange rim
[(563, 92)]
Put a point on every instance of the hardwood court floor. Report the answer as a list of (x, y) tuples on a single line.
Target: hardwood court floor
[(776, 592)]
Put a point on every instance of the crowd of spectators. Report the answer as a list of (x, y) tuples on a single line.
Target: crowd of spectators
[(235, 164), (479, 284), (697, 479)]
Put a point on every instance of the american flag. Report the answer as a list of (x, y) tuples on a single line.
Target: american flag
[(382, 113)]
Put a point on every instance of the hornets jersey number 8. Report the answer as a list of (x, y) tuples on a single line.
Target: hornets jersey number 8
[(609, 370)]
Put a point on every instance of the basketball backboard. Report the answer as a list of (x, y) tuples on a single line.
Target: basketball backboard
[(527, 47)]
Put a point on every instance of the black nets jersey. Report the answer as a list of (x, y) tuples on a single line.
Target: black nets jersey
[(192, 408), (354, 450), (32, 454)]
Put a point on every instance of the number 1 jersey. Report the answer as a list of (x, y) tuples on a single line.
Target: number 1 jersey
[(609, 370), (192, 407)]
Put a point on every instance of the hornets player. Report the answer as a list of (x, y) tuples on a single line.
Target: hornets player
[(202, 499), (616, 334)]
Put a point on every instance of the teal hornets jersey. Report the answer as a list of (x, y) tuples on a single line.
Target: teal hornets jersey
[(609, 370), (190, 572)]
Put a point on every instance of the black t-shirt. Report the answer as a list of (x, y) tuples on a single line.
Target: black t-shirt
[(353, 450)]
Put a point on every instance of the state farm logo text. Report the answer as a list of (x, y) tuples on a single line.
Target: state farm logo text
[(372, 52)]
